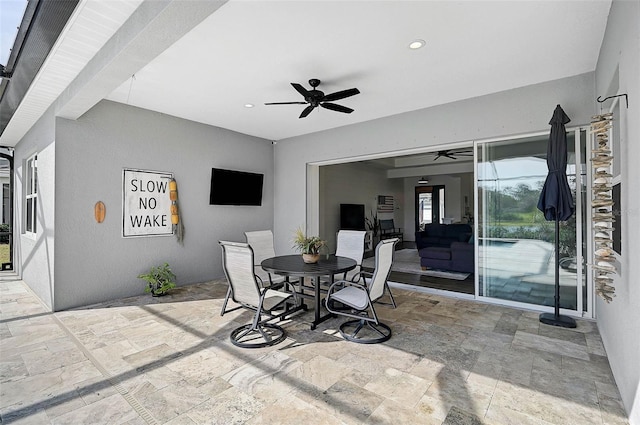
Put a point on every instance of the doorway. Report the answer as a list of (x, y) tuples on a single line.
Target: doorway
[(429, 205)]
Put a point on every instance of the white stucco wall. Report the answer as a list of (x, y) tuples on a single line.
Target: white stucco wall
[(619, 321), (93, 261), (34, 258), (518, 111)]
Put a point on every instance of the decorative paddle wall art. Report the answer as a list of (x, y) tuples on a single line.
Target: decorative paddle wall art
[(602, 204), (178, 228)]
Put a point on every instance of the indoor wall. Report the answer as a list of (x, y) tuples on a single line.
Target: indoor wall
[(355, 183)]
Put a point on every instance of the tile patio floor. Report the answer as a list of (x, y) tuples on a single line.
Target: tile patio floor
[(168, 360)]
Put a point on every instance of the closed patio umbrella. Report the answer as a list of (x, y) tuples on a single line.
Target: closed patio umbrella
[(556, 203)]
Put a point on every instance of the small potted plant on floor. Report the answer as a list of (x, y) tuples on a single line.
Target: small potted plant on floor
[(309, 246), (160, 280)]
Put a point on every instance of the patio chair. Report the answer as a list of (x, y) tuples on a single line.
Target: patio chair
[(388, 230), (261, 241), (365, 328), (350, 244), (246, 290)]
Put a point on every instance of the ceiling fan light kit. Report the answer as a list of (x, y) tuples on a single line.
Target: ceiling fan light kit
[(314, 98)]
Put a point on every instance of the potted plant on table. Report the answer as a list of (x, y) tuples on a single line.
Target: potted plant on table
[(309, 246), (160, 279)]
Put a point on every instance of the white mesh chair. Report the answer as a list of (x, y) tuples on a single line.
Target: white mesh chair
[(246, 290), (261, 241), (365, 328), (350, 243)]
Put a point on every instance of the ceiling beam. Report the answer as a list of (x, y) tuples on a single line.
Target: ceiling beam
[(150, 30)]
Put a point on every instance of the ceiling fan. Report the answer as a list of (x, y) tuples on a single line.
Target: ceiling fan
[(453, 153), (315, 98)]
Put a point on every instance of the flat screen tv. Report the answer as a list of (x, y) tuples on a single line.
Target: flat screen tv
[(352, 217), (231, 187)]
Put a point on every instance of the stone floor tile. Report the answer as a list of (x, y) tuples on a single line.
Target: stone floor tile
[(320, 372), (349, 403), (553, 345), (171, 401), (113, 409), (503, 415), (460, 359), (457, 416), (267, 378), (292, 411), (563, 334), (229, 407), (390, 413), (434, 408), (399, 386)]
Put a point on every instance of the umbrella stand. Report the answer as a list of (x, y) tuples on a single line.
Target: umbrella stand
[(555, 318)]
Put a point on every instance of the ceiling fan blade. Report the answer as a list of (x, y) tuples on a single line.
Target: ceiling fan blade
[(340, 95), (286, 103), (338, 108), (304, 92), (306, 111)]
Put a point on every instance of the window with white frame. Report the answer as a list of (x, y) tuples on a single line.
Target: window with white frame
[(31, 194)]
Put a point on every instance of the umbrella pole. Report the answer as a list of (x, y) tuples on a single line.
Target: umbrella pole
[(556, 319)]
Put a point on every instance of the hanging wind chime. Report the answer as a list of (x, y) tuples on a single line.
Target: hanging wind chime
[(602, 204)]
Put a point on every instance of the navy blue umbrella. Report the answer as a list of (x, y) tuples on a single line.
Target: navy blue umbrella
[(556, 201)]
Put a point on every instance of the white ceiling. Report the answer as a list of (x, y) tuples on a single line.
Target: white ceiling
[(250, 52)]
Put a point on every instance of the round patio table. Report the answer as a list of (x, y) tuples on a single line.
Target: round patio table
[(293, 266)]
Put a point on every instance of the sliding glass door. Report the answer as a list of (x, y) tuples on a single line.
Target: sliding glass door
[(515, 246)]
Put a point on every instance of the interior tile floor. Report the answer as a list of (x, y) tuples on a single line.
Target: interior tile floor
[(168, 360)]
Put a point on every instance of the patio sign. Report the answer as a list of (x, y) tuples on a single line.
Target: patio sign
[(146, 206)]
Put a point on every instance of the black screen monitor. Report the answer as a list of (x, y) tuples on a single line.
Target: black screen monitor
[(352, 217), (231, 187)]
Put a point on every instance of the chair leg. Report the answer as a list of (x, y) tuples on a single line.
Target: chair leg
[(388, 290), (258, 334), (393, 301), (226, 300), (380, 331)]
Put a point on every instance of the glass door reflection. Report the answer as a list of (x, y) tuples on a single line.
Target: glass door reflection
[(516, 250)]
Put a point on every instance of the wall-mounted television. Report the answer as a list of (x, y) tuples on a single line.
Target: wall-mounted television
[(352, 217), (232, 187)]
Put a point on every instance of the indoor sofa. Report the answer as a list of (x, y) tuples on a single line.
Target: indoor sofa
[(446, 247)]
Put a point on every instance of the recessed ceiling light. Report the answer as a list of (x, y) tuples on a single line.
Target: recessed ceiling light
[(249, 105), (416, 44)]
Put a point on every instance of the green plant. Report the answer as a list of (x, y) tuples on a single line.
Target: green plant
[(372, 223), (307, 244), (160, 280)]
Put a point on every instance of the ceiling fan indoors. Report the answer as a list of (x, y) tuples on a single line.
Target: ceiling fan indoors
[(453, 153), (315, 98)]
